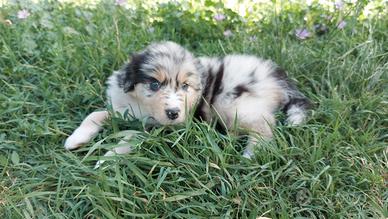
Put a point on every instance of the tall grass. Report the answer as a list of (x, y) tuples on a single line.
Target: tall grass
[(53, 65)]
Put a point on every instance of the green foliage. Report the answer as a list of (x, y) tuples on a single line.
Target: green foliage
[(53, 65)]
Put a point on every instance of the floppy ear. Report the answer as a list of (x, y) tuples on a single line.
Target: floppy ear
[(133, 71)]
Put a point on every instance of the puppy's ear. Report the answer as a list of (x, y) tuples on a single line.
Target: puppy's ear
[(132, 71)]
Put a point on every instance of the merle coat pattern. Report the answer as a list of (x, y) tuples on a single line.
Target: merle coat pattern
[(165, 82)]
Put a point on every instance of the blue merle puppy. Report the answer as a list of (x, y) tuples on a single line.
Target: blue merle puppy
[(165, 82)]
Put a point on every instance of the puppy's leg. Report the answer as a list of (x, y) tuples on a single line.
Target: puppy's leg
[(117, 150), (263, 127), (88, 129)]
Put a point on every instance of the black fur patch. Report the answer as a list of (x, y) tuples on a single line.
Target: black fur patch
[(164, 83), (132, 72), (208, 84), (217, 87), (239, 90), (303, 103), (199, 113), (280, 74), (296, 98), (214, 82), (176, 82)]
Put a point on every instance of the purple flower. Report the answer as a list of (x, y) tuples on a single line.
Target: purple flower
[(121, 2), (339, 5), (341, 25), (23, 14), (228, 33), (302, 33), (219, 17)]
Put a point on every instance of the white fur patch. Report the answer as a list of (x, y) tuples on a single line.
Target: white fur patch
[(88, 129), (80, 136), (173, 100), (296, 115)]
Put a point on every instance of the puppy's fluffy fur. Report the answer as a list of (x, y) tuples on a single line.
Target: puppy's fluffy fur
[(165, 82)]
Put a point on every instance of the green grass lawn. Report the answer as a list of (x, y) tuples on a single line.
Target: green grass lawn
[(53, 65)]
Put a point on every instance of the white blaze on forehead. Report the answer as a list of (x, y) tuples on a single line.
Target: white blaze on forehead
[(173, 100)]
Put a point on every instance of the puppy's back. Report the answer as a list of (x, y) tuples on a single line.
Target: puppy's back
[(251, 83)]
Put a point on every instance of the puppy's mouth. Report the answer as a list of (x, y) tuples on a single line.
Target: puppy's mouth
[(172, 122), (165, 121)]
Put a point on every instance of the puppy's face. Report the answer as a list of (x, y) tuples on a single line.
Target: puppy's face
[(165, 79)]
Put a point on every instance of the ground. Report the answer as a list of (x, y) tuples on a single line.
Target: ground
[(56, 55)]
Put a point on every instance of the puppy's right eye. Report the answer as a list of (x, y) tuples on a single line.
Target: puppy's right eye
[(185, 86), (155, 86)]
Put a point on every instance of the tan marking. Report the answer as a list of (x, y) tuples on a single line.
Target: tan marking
[(189, 78), (159, 75)]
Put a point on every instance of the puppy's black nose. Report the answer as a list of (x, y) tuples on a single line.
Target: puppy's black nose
[(172, 113)]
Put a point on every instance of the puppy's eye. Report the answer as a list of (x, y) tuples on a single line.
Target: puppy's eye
[(155, 86), (185, 87)]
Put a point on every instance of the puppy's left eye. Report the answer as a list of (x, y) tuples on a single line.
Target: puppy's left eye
[(185, 87), (155, 86)]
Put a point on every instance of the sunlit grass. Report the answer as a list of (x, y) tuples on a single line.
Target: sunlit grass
[(53, 65)]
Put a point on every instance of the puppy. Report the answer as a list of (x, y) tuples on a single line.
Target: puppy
[(165, 82)]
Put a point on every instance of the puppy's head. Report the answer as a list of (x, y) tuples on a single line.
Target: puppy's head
[(165, 79)]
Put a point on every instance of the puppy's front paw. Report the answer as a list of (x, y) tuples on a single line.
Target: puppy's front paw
[(117, 150), (248, 154), (77, 139), (100, 162)]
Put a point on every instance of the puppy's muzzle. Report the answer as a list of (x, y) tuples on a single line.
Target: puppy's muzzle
[(172, 114)]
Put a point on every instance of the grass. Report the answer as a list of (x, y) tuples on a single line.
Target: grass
[(52, 71)]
